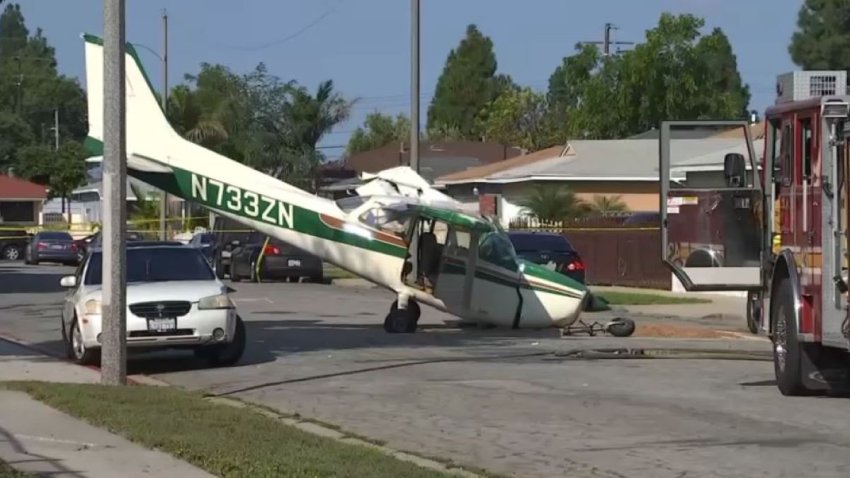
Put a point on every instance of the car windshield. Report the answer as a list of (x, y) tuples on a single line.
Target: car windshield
[(61, 236), (533, 243), (155, 264)]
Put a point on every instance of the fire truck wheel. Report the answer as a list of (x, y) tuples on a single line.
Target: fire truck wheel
[(786, 349), (753, 312)]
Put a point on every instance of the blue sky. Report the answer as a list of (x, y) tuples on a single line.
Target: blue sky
[(364, 45)]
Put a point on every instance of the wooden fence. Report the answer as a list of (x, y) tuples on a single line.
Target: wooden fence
[(614, 253)]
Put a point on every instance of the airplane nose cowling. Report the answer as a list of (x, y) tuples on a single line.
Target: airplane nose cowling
[(556, 299)]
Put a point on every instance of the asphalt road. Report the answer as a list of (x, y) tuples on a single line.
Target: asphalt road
[(493, 399)]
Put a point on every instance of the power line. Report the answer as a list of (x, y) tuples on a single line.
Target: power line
[(287, 38)]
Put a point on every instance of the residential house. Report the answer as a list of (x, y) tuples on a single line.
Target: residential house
[(20, 201), (436, 158), (625, 168)]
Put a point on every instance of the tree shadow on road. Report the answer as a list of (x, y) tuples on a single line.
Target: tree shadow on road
[(19, 282)]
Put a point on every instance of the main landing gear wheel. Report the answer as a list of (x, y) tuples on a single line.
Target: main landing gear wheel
[(402, 321)]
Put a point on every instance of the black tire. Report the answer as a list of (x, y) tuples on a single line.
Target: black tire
[(621, 327), (234, 277), (11, 253), (400, 321), (227, 355), (752, 312), (80, 354), (787, 350), (219, 269), (412, 306)]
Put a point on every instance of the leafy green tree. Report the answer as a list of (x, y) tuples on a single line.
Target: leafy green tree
[(378, 130), (550, 203), (466, 84), (15, 133), (517, 117), (822, 40), (30, 84), (674, 74), (61, 171)]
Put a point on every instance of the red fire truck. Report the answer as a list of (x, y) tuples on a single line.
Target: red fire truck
[(778, 224)]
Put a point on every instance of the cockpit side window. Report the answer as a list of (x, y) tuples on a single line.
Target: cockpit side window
[(389, 220)]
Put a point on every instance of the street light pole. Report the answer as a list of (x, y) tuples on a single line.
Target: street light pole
[(414, 85), (163, 202), (114, 293)]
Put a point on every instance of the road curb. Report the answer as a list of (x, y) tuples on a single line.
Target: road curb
[(315, 428), (131, 379)]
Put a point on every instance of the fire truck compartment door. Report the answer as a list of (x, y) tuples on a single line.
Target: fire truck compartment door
[(711, 205)]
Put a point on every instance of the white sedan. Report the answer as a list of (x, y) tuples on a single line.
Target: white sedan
[(174, 300)]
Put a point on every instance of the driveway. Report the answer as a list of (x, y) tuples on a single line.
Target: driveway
[(501, 400)]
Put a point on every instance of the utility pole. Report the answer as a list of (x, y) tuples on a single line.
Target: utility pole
[(606, 40), (163, 201), (414, 85), (19, 107), (56, 129), (114, 296)]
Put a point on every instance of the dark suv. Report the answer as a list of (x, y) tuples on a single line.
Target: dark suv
[(549, 249), (12, 243)]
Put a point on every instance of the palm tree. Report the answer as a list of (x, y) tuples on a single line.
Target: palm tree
[(308, 118), (553, 203), (604, 205), (188, 118)]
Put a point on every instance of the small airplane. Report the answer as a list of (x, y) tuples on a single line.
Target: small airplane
[(462, 264)]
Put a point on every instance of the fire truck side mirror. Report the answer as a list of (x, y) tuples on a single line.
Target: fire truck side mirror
[(735, 170)]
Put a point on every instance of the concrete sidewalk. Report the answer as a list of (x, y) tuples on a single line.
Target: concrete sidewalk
[(41, 440)]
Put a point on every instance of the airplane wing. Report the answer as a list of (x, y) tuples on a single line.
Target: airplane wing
[(402, 181)]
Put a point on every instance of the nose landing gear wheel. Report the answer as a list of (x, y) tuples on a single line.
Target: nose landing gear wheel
[(621, 327)]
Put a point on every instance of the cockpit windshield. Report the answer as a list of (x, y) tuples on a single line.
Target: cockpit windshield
[(496, 248)]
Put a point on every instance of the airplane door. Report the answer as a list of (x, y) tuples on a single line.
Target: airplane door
[(711, 205)]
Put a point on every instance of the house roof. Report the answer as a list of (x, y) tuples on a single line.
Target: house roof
[(493, 168), (398, 154), (16, 188), (602, 160)]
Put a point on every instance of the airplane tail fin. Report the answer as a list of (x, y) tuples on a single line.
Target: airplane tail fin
[(148, 129)]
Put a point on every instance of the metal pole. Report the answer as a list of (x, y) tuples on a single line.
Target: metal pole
[(163, 201), (414, 85), (114, 296)]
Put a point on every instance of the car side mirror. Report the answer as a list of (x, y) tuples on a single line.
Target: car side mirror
[(68, 281), (735, 170)]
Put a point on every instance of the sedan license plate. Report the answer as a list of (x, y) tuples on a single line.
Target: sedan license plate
[(57, 246), (294, 263), (162, 325)]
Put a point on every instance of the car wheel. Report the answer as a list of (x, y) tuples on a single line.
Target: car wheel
[(226, 354), (79, 353), (11, 253), (234, 277)]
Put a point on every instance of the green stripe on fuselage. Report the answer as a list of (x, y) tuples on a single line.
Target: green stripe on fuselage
[(228, 198), (453, 266)]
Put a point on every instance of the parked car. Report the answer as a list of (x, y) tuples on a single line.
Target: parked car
[(84, 243), (276, 259), (205, 242), (13, 242), (174, 300), (549, 249), (51, 246)]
